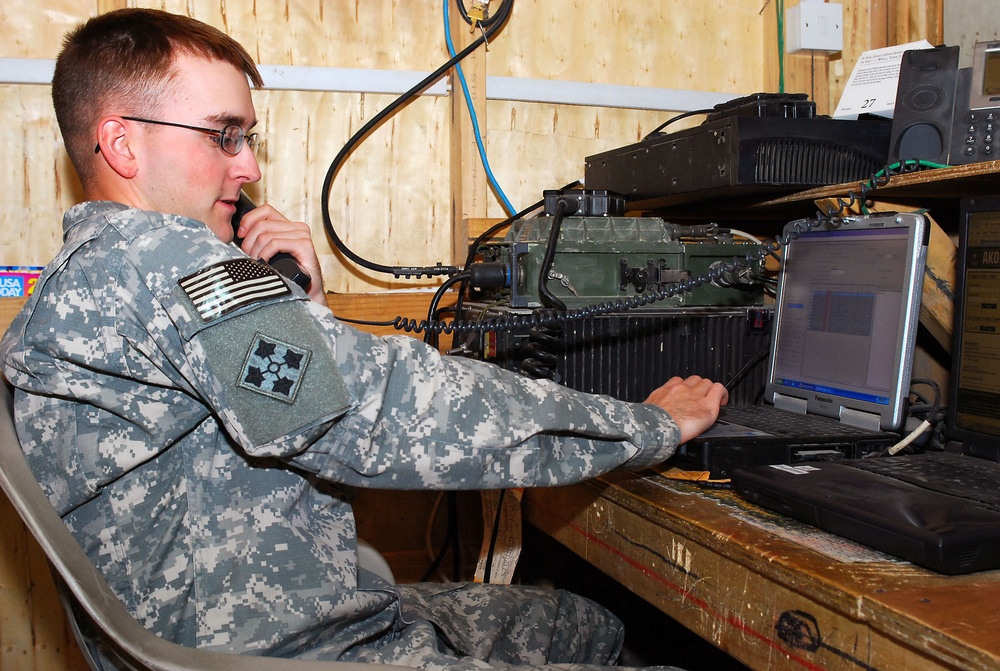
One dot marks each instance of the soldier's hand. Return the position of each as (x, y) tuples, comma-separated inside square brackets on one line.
[(265, 232), (692, 402)]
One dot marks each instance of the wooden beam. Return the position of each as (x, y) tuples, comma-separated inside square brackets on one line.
[(375, 307), (469, 190)]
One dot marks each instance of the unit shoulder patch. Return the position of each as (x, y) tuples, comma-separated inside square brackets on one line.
[(273, 368)]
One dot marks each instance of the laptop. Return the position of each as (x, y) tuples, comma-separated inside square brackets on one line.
[(845, 322), (939, 510)]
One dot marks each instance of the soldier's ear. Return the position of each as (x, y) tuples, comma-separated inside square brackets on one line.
[(115, 144)]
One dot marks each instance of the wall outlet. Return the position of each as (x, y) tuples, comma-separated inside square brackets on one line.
[(814, 25)]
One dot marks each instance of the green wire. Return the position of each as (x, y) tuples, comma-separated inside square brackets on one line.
[(780, 8), (895, 167)]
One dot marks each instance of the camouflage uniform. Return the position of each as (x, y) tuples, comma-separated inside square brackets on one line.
[(199, 425)]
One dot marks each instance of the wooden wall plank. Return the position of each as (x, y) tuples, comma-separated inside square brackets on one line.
[(390, 201), (470, 190), (34, 635)]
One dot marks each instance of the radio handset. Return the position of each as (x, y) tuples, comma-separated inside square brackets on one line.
[(282, 262)]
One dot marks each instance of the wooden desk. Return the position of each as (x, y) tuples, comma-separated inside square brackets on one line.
[(732, 573)]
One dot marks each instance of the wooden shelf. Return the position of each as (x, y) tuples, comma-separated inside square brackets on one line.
[(937, 189)]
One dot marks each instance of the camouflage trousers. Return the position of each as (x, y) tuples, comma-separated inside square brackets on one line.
[(463, 626)]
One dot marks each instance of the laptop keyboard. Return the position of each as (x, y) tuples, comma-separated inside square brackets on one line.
[(783, 422), (961, 476)]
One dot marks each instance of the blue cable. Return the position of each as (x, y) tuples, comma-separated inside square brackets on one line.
[(472, 115)]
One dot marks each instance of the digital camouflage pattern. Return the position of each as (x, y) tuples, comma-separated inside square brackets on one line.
[(200, 427)]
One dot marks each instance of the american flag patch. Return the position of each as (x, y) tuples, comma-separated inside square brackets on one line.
[(227, 286)]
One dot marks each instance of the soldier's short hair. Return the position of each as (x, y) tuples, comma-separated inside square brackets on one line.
[(120, 63)]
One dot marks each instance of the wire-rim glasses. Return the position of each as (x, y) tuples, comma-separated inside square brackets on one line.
[(230, 138)]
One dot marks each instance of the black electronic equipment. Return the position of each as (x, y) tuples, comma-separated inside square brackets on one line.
[(283, 262), (922, 119), (839, 370), (977, 107), (943, 113), (974, 403), (756, 144), (783, 105), (937, 509), (628, 355)]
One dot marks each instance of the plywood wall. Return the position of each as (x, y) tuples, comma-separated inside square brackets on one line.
[(392, 199)]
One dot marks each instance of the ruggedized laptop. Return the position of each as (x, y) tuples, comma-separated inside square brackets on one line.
[(938, 510), (845, 321)]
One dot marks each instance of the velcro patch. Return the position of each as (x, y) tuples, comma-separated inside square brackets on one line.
[(229, 285), (274, 368)]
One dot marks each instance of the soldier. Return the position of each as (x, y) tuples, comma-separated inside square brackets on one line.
[(198, 422)]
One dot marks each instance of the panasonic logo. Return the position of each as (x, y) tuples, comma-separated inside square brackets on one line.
[(824, 399)]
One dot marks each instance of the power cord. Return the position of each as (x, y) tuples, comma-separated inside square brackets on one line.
[(684, 115), (933, 412)]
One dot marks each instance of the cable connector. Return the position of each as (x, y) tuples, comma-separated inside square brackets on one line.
[(489, 275), (410, 272), (588, 202)]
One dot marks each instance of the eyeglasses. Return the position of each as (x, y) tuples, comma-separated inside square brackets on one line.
[(230, 138)]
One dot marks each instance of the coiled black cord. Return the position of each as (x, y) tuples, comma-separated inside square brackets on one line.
[(541, 349), (534, 320)]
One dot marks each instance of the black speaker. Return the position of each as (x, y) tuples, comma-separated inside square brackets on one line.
[(925, 103)]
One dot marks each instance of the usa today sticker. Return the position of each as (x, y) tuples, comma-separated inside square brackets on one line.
[(18, 281)]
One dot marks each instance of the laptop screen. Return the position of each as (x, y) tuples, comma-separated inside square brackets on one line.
[(848, 303), (974, 406)]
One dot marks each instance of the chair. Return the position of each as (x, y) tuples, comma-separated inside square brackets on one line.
[(103, 627)]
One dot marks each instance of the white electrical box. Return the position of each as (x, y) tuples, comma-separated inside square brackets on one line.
[(814, 25)]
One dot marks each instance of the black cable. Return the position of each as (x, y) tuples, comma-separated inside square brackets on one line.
[(450, 540), (494, 229), (671, 120), (375, 122), (429, 337), (747, 367), (364, 322), (935, 405), (545, 294), (456, 556)]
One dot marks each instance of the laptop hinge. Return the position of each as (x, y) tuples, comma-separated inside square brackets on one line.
[(790, 403), (862, 420)]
